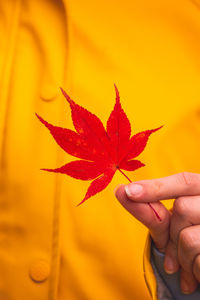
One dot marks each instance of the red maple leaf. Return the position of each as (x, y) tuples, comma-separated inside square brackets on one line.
[(102, 151)]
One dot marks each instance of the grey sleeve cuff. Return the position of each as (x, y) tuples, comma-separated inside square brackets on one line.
[(168, 287)]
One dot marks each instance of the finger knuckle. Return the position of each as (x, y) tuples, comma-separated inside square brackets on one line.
[(185, 178), (180, 206), (188, 179), (188, 239), (157, 188)]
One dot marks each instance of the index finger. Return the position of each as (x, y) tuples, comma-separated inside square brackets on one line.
[(181, 184)]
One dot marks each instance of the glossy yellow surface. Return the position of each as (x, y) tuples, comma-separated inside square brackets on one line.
[(150, 49)]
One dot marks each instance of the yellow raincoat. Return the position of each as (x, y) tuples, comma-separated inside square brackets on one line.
[(49, 248)]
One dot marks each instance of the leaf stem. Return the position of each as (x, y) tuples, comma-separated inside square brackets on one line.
[(124, 174), (155, 212)]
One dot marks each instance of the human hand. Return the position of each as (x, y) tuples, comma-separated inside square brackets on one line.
[(178, 233)]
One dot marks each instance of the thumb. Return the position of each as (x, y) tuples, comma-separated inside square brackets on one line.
[(159, 230)]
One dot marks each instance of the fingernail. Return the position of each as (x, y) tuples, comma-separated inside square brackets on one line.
[(169, 265), (185, 287), (133, 190)]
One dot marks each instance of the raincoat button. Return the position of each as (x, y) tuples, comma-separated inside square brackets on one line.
[(39, 271), (49, 92)]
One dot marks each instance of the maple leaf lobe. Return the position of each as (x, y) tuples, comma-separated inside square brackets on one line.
[(80, 169), (118, 128), (70, 141)]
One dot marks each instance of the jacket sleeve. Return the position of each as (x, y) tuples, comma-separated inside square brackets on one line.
[(160, 284)]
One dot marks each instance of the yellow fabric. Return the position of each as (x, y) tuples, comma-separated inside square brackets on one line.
[(150, 49)]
